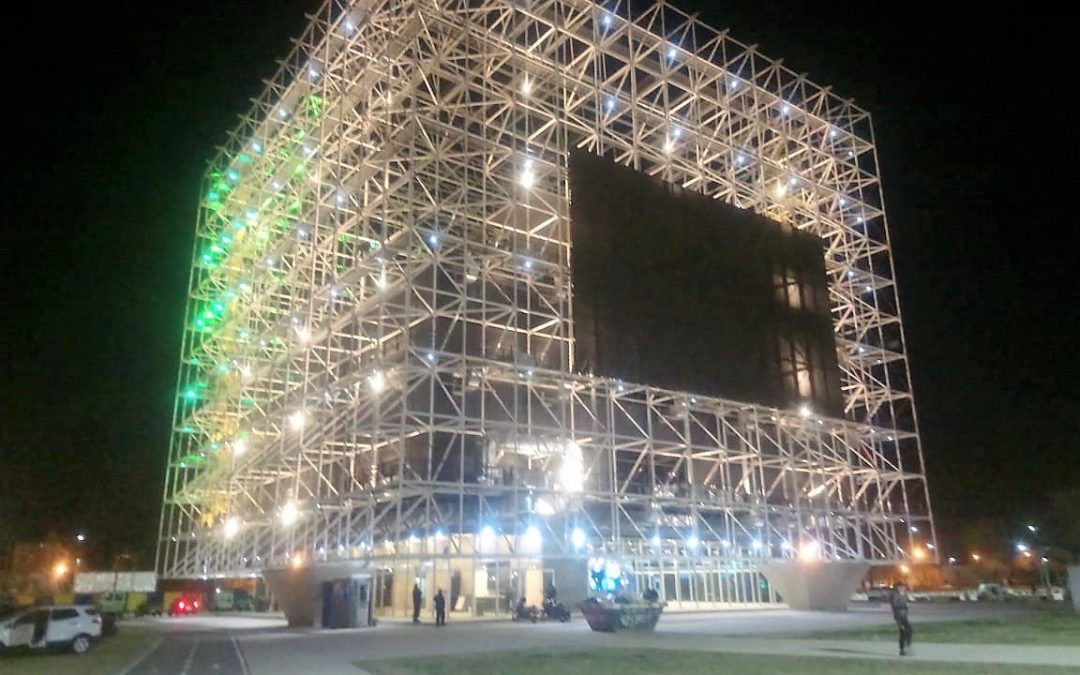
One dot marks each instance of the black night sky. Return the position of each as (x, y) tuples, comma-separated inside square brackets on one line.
[(117, 106)]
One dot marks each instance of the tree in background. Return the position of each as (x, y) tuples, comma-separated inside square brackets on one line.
[(1061, 524)]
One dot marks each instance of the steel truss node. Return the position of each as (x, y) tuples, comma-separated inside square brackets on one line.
[(378, 360)]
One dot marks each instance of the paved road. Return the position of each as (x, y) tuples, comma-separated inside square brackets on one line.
[(193, 654)]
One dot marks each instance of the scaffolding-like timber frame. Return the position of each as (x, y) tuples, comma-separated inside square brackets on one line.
[(381, 294)]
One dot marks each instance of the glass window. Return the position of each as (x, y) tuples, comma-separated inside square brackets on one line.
[(60, 614), (32, 617)]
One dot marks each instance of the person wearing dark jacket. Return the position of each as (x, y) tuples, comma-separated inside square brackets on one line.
[(898, 601), (440, 609), (417, 600)]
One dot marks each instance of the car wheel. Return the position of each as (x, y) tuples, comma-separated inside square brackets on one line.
[(81, 644)]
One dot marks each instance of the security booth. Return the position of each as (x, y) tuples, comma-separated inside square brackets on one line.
[(346, 602)]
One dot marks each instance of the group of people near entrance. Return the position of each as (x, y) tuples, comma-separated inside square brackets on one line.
[(418, 601)]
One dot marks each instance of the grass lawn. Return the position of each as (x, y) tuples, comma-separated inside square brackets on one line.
[(669, 662), (1045, 627), (108, 657)]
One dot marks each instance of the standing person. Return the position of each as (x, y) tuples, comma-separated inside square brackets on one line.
[(898, 600), (417, 600), (440, 609), (650, 595)]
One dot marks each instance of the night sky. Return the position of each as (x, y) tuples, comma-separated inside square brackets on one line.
[(118, 106)]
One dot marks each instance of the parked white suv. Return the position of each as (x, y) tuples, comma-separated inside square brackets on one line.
[(74, 626)]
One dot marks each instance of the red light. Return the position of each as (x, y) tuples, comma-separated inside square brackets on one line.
[(196, 604)]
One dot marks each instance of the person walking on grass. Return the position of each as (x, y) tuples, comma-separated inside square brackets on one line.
[(440, 609), (898, 601)]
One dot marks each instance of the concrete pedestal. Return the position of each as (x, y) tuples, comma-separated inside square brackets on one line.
[(299, 590), (1074, 585), (817, 585)]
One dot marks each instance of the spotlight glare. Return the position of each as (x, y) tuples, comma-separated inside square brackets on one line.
[(377, 381), (231, 527), (297, 420), (577, 538), (290, 513)]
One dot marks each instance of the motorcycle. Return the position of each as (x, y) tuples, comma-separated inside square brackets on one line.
[(523, 612), (555, 611)]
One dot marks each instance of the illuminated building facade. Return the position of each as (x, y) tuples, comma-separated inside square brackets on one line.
[(379, 359)]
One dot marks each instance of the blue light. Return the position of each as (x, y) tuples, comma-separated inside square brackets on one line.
[(431, 357), (606, 20), (433, 239), (609, 104), (672, 53)]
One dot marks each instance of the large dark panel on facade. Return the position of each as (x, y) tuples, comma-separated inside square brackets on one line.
[(679, 290)]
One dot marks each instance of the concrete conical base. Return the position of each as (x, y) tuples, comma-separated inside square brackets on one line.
[(296, 594), (818, 585)]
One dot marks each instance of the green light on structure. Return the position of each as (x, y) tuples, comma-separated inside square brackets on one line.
[(191, 394)]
